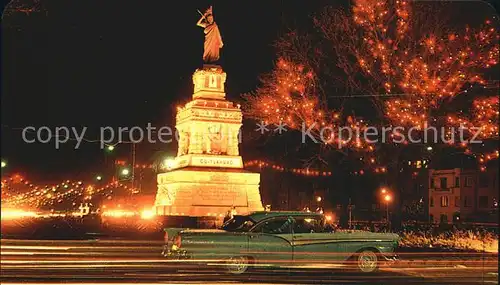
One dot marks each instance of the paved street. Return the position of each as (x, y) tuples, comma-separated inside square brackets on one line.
[(109, 261)]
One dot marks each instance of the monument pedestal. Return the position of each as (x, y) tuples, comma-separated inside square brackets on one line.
[(198, 192)]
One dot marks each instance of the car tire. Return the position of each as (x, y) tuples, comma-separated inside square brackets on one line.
[(237, 265), (367, 261)]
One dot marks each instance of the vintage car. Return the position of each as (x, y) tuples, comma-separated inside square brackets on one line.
[(280, 239)]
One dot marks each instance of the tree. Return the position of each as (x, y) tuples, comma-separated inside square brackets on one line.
[(400, 58)]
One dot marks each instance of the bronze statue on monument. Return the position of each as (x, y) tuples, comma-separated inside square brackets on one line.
[(213, 39)]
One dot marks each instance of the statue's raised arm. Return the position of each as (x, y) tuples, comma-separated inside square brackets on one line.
[(213, 39)]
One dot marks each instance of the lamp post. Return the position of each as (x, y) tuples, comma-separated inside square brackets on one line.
[(319, 209), (387, 199), (111, 149), (124, 174), (4, 163), (349, 207), (133, 166)]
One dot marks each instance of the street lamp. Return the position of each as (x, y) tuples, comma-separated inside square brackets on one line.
[(429, 148), (110, 148), (318, 199), (125, 172), (4, 163), (387, 199), (98, 177), (168, 163), (383, 191)]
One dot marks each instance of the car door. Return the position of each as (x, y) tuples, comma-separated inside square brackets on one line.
[(270, 242), (312, 244)]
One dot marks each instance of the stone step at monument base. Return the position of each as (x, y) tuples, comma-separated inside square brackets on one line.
[(190, 222)]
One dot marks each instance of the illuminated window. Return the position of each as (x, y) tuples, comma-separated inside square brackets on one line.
[(457, 181), (444, 201)]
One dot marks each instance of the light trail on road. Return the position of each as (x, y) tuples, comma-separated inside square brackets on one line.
[(140, 262)]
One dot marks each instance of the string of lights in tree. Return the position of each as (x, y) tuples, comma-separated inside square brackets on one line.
[(312, 172), (431, 70), (295, 109), (484, 158), (288, 97), (418, 74), (485, 115)]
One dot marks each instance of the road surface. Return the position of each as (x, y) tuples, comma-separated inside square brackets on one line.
[(119, 261)]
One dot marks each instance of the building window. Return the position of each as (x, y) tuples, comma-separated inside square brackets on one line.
[(431, 202), (483, 181), (443, 183), (457, 201), (457, 181), (432, 183), (468, 181), (483, 201), (444, 201), (466, 201)]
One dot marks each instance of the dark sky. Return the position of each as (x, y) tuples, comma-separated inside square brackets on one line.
[(98, 63), (115, 63)]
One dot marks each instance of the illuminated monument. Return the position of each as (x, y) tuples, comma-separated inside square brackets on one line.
[(207, 176)]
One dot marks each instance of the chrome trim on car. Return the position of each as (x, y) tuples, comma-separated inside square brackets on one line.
[(308, 242)]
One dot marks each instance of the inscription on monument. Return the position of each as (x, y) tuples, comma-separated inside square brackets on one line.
[(221, 196), (216, 161)]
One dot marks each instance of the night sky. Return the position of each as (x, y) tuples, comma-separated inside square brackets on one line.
[(115, 63)]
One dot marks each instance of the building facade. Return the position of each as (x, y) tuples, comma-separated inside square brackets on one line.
[(457, 195)]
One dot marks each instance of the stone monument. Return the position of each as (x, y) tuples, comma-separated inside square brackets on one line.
[(207, 176)]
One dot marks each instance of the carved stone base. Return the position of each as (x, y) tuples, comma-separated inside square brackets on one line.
[(199, 192)]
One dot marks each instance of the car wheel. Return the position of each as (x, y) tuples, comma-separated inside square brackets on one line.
[(237, 265), (367, 261)]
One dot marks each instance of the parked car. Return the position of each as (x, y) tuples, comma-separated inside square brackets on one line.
[(280, 239)]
